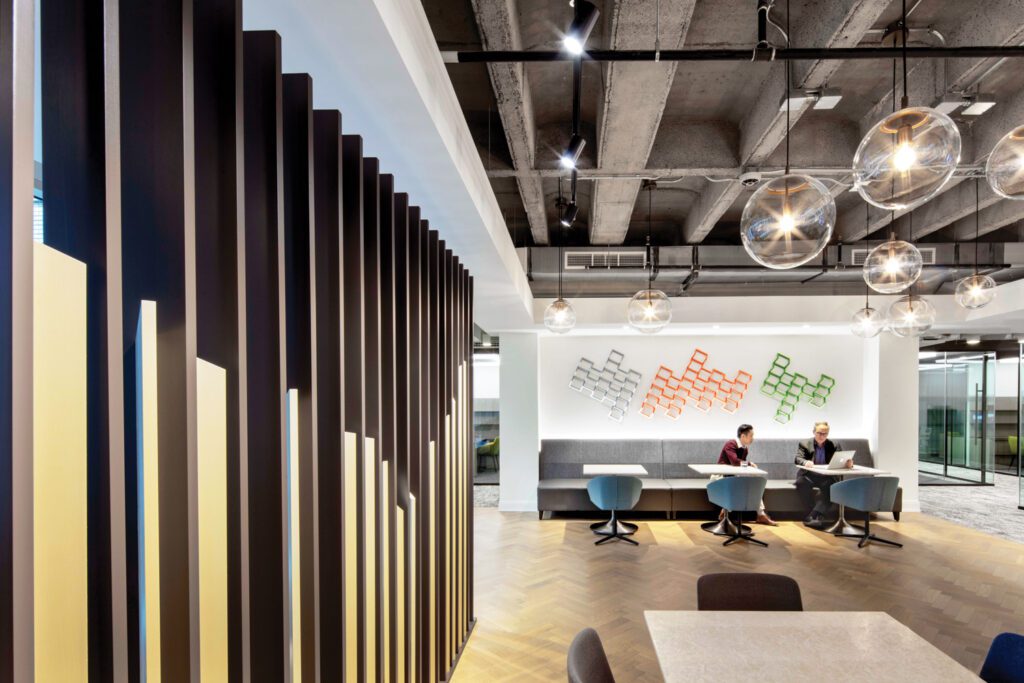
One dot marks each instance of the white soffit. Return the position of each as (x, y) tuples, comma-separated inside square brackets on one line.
[(377, 61)]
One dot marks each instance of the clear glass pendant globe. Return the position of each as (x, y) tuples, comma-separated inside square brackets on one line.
[(787, 221), (649, 311), (867, 322), (559, 316), (910, 316), (1005, 168), (892, 266), (906, 158), (975, 291)]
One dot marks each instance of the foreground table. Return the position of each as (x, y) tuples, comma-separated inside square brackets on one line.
[(795, 646), (841, 526), (725, 526)]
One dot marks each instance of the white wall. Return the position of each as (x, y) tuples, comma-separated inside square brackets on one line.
[(486, 371), (520, 438), (1006, 378), (565, 413)]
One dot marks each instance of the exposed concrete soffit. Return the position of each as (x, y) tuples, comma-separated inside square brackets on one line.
[(498, 21), (632, 107), (836, 24)]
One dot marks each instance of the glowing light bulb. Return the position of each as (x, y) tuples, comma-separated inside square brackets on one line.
[(904, 158), (892, 265), (560, 316), (786, 223), (572, 45), (649, 311)]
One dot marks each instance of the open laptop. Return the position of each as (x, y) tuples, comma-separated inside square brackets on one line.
[(840, 458)]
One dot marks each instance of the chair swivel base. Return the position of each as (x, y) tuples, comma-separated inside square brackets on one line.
[(723, 527), (864, 534), (613, 529), (739, 534)]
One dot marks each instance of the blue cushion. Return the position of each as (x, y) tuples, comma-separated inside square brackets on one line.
[(868, 494), (614, 493), (1005, 660), (737, 494)]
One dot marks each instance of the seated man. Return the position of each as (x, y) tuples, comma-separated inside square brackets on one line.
[(734, 453), (816, 451)]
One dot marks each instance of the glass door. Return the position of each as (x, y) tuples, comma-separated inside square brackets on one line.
[(957, 417)]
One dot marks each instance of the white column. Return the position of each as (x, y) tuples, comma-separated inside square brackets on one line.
[(519, 422), (891, 409)]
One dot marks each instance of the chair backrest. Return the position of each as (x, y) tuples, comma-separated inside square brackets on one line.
[(587, 660), (614, 492), (748, 592), (737, 494), (1005, 660), (868, 494), (1011, 441)]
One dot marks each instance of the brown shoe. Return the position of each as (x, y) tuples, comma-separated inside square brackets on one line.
[(766, 520)]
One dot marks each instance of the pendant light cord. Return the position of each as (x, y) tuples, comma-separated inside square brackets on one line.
[(650, 249), (789, 100), (867, 236), (977, 223), (904, 31)]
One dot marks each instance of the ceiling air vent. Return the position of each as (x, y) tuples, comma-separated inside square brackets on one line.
[(927, 255), (582, 260)]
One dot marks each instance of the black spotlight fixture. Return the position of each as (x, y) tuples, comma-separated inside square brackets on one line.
[(573, 152), (584, 21), (569, 217)]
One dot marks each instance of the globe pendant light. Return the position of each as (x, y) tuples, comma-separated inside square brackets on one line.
[(867, 322), (977, 290), (788, 220), (559, 316), (649, 311), (907, 157), (910, 316), (892, 266), (1005, 167)]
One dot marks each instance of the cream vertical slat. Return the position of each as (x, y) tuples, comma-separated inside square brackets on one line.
[(400, 593), (294, 549), (432, 563), (60, 455), (385, 572), (448, 536), (370, 557), (413, 594), (148, 491), (350, 568), (212, 445)]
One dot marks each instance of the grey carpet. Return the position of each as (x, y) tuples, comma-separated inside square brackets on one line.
[(992, 509), (485, 496)]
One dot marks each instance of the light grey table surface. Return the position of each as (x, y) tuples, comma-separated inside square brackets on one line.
[(786, 647), (728, 470), (596, 470)]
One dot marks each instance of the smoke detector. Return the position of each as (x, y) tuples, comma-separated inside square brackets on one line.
[(750, 178)]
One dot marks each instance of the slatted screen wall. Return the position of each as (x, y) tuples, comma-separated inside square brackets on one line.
[(270, 356)]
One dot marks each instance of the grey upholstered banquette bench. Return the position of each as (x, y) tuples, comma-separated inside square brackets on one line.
[(670, 485)]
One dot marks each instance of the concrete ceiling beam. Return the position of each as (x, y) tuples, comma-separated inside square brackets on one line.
[(834, 24), (632, 107), (498, 21), (999, 215)]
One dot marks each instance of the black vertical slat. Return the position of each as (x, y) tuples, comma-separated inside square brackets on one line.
[(156, 184), (265, 348), (352, 324), (220, 247), (327, 239), (74, 174), (302, 357), (405, 399)]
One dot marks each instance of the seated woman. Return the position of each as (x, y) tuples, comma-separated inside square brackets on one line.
[(734, 453)]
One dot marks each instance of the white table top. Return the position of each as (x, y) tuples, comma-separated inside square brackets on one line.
[(595, 470), (729, 470), (795, 646), (856, 470)]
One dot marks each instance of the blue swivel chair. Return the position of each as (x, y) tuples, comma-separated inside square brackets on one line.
[(614, 494), (738, 495), (1005, 660), (867, 494)]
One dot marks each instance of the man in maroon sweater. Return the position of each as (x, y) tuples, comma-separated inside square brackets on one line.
[(734, 453)]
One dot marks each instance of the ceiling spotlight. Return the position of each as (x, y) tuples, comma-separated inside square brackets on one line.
[(978, 104), (973, 341), (797, 100), (569, 217), (572, 152), (828, 98), (579, 30), (948, 103)]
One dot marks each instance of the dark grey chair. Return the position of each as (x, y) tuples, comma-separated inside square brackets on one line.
[(587, 660), (748, 592)]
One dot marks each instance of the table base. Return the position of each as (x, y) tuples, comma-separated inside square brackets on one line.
[(723, 527)]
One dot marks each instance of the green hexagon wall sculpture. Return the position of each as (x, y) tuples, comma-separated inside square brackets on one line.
[(790, 387)]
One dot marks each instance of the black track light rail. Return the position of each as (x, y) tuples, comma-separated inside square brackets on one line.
[(738, 55)]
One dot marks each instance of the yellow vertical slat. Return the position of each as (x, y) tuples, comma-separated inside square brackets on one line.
[(448, 538), (385, 572), (212, 445), (294, 550), (400, 593), (432, 563), (149, 491), (370, 556), (413, 593), (350, 570), (59, 462)]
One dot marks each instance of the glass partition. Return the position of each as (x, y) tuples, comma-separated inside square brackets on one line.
[(957, 433)]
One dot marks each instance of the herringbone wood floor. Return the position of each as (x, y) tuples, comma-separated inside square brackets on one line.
[(538, 583)]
